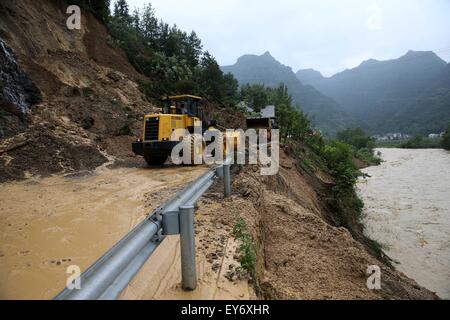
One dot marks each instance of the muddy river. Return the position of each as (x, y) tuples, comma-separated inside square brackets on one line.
[(49, 224), (407, 210)]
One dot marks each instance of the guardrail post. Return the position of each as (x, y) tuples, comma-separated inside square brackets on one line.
[(187, 244), (219, 171), (227, 180)]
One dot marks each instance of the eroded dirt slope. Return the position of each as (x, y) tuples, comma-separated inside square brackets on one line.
[(90, 107), (301, 256)]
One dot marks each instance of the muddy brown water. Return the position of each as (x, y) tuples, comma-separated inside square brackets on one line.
[(407, 210), (49, 224)]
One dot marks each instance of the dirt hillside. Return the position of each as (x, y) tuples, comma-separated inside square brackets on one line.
[(88, 106), (299, 254)]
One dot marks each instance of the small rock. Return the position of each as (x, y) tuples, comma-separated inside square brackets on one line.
[(216, 267), (114, 76)]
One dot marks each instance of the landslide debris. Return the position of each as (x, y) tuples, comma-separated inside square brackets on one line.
[(77, 103)]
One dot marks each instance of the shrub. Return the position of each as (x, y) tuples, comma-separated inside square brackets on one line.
[(247, 248), (445, 143), (356, 137), (419, 142)]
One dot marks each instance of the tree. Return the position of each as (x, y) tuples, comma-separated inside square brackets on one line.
[(149, 25), (256, 96), (294, 124), (356, 137), (446, 139), (171, 58), (211, 77), (135, 20), (230, 90), (121, 9), (193, 49), (100, 8)]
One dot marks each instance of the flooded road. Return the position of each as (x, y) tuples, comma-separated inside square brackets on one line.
[(407, 210), (48, 224)]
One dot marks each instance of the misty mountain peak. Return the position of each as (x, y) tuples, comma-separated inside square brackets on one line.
[(422, 55), (268, 57), (267, 54), (417, 53), (369, 62), (253, 58), (309, 76)]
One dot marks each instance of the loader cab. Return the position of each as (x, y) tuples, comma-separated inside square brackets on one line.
[(182, 105)]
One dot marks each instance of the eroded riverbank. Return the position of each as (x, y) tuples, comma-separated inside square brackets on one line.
[(408, 211)]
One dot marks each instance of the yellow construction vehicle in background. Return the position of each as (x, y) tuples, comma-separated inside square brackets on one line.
[(264, 120), (178, 112)]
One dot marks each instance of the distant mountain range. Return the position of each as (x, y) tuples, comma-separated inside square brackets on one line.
[(324, 112), (410, 94)]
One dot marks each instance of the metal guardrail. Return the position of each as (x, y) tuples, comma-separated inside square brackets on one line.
[(111, 274)]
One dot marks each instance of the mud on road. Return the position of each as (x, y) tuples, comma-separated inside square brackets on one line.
[(47, 224)]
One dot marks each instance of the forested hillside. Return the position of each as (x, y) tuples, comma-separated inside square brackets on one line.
[(324, 112), (409, 94), (430, 112), (172, 60)]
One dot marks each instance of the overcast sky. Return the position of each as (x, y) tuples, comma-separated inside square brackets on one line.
[(326, 35)]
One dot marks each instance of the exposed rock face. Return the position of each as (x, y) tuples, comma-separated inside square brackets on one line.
[(17, 93)]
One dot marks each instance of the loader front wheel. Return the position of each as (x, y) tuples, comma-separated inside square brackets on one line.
[(197, 145), (155, 160)]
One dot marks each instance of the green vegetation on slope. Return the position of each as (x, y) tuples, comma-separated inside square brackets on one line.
[(172, 59), (247, 248), (419, 142), (362, 145), (100, 8), (446, 139)]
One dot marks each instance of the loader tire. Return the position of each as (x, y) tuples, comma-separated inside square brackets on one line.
[(196, 149), (155, 160), (221, 137)]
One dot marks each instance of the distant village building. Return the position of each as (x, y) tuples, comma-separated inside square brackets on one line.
[(391, 136), (267, 112)]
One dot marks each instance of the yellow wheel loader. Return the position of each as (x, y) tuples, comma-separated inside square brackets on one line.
[(178, 112)]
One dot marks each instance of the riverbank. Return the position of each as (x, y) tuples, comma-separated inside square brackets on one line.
[(407, 210)]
